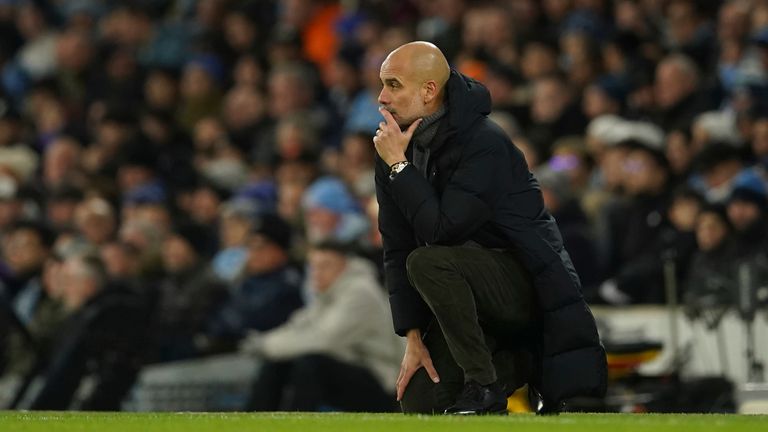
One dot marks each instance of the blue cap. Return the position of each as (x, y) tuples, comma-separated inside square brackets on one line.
[(332, 194), (210, 64), (151, 193), (263, 193)]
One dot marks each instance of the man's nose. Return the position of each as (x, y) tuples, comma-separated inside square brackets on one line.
[(383, 97)]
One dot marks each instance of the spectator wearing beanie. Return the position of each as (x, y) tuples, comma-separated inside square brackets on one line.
[(747, 206), (606, 95), (269, 292), (711, 276), (332, 213), (188, 292)]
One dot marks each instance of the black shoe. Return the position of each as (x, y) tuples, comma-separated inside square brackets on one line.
[(542, 406), (550, 408), (480, 399)]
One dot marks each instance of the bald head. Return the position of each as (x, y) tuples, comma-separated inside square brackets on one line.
[(414, 76), (424, 60)]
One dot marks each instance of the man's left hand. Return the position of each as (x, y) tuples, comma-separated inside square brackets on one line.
[(390, 141)]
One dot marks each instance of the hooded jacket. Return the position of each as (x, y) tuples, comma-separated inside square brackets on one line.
[(349, 322), (479, 189)]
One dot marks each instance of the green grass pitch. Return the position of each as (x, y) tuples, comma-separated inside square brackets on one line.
[(313, 422)]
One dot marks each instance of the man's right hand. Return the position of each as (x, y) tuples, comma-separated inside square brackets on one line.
[(416, 356)]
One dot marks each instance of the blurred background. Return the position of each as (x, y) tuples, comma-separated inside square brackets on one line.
[(187, 201)]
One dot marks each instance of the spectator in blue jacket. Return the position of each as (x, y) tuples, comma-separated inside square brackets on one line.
[(269, 292)]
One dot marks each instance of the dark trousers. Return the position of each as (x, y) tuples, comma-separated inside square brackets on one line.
[(483, 305), (318, 383)]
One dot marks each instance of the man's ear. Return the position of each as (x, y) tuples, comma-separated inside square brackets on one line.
[(429, 91)]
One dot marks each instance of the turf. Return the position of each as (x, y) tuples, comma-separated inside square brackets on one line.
[(289, 422)]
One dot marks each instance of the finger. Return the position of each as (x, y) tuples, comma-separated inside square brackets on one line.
[(388, 117), (382, 124), (397, 386), (412, 128), (404, 383), (431, 371)]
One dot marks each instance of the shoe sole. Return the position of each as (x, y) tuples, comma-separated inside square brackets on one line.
[(469, 413)]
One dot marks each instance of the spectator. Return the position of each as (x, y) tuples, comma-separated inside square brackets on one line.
[(606, 95), (11, 201), (635, 240), (710, 283), (121, 264), (60, 162), (679, 154), (356, 164), (161, 90), (332, 213), (577, 235), (746, 208), (269, 292), (25, 248), (200, 89), (553, 113), (188, 293), (60, 207), (101, 341), (719, 165), (237, 217), (677, 101), (336, 353), (96, 221), (29, 347)]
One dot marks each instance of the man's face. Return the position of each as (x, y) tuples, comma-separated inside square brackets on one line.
[(641, 172), (263, 255), (550, 98), (24, 251), (178, 255), (743, 214), (672, 85), (402, 93), (320, 223), (324, 268), (710, 231)]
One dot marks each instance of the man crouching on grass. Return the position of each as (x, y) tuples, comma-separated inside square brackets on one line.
[(479, 282)]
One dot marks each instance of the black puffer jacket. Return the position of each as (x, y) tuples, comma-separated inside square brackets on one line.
[(479, 188)]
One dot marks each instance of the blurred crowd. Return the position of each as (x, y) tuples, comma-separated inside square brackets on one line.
[(169, 168)]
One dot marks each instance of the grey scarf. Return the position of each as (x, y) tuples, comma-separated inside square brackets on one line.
[(422, 138)]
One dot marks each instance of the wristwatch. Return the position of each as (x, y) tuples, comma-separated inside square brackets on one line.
[(396, 167)]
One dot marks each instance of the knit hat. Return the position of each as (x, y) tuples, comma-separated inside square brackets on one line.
[(331, 194), (714, 154), (196, 236), (274, 228), (750, 188), (612, 87)]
